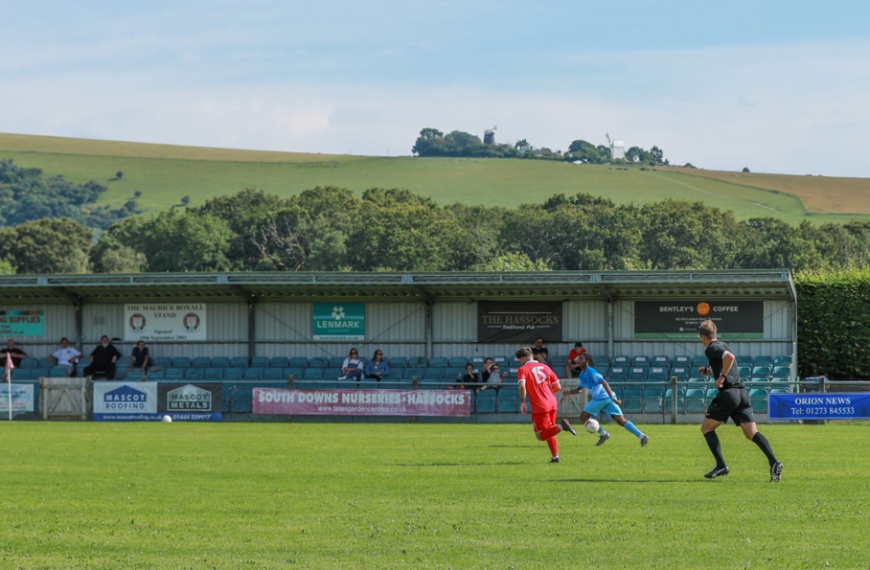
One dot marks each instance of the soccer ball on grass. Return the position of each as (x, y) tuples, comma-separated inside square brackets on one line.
[(591, 425)]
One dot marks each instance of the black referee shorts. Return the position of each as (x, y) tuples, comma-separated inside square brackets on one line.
[(731, 403)]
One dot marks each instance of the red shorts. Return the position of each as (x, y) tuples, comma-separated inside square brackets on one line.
[(543, 420)]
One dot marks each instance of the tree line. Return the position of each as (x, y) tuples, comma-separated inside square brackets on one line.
[(331, 229), (433, 142)]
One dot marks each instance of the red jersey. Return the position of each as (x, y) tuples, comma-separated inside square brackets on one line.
[(539, 379), (572, 356)]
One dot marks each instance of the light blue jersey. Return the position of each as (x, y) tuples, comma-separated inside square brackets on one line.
[(591, 379)]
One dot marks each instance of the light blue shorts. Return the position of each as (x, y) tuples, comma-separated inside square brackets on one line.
[(607, 406)]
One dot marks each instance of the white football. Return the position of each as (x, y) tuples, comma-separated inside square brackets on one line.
[(166, 419), (592, 425)]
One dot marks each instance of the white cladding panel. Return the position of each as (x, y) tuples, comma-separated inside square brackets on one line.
[(583, 321), (454, 321)]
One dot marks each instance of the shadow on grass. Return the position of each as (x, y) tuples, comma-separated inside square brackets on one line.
[(681, 481), (477, 464)]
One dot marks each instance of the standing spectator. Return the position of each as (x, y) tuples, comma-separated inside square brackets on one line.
[(103, 359), (352, 367), (731, 402), (14, 352), (139, 358), (571, 367), (66, 356), (377, 368), (540, 352), (540, 383)]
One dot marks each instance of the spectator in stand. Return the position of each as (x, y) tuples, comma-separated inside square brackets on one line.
[(494, 379), (540, 352), (469, 379), (571, 367), (14, 352), (139, 358), (377, 368), (486, 369), (66, 356), (103, 359), (352, 367)]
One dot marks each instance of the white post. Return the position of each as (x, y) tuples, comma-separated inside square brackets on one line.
[(9, 368)]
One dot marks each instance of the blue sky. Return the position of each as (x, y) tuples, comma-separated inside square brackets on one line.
[(774, 86)]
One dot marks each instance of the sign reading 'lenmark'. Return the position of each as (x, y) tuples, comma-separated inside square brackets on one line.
[(339, 321)]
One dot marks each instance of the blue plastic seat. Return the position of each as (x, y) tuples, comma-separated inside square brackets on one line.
[(181, 362), (399, 362), (174, 373), (695, 401), (220, 362), (234, 373), (439, 362), (27, 362), (621, 361), (457, 362), (335, 361), (239, 362), (213, 373), (162, 361), (274, 374), (298, 362), (260, 362), (297, 373), (508, 401), (201, 362), (281, 362), (318, 362), (314, 374), (254, 373), (486, 402)]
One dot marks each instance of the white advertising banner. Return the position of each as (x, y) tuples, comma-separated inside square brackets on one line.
[(165, 322), (23, 399), (125, 401)]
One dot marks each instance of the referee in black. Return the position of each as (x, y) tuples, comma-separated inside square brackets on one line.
[(731, 402)]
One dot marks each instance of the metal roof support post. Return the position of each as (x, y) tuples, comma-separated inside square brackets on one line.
[(792, 305), (429, 332), (252, 327), (610, 327)]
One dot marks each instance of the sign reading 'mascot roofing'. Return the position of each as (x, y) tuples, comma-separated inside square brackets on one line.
[(165, 321)]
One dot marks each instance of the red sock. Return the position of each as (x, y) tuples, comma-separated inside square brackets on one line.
[(553, 445), (549, 432)]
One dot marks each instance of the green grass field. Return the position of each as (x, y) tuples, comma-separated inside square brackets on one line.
[(164, 174), (341, 495)]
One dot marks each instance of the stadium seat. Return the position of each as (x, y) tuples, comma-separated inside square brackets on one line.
[(201, 362), (220, 362), (697, 379), (669, 400), (641, 361), (781, 371), (652, 400), (297, 373), (254, 373), (239, 362), (29, 362), (638, 374), (274, 374), (435, 372), (782, 361), (162, 361), (418, 361), (281, 362), (761, 373), (315, 374), (122, 372), (414, 373), (242, 399), (260, 362), (213, 373), (657, 374), (486, 402), (682, 361), (154, 375), (457, 362), (453, 373), (181, 362), (398, 362), (620, 361), (44, 363), (744, 360), (763, 361), (439, 362), (695, 401), (681, 372), (319, 362), (663, 361), (234, 373), (712, 393), (632, 400), (20, 374), (502, 361), (744, 371), (618, 373), (195, 373), (331, 373), (335, 361), (298, 362), (758, 399), (699, 360), (174, 373), (508, 400), (57, 372)]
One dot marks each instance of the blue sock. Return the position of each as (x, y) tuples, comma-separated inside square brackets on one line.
[(601, 430), (631, 427)]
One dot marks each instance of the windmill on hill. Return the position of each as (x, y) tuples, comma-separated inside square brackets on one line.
[(489, 135), (617, 148)]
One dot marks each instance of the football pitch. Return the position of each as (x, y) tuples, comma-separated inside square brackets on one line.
[(418, 495)]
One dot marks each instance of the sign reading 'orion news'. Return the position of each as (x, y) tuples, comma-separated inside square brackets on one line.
[(819, 406), (680, 319), (339, 321)]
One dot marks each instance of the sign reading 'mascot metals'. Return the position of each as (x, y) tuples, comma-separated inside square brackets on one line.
[(339, 321)]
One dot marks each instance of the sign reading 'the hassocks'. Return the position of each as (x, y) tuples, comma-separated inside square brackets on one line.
[(499, 321), (680, 319)]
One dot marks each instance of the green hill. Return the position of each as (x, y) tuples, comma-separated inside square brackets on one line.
[(164, 174)]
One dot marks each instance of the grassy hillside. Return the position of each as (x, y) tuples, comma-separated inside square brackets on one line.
[(165, 173)]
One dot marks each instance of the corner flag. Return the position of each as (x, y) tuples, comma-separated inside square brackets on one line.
[(9, 367)]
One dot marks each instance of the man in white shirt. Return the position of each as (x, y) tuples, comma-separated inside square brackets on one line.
[(66, 356)]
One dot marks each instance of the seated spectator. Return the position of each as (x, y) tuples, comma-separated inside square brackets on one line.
[(103, 359), (495, 378), (540, 352), (352, 367), (139, 358), (486, 369), (15, 353), (571, 367), (377, 368), (66, 356), (469, 379)]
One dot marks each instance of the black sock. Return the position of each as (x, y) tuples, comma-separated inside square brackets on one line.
[(715, 448), (762, 443)]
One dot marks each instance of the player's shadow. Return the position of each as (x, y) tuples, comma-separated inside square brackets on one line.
[(476, 464), (681, 481)]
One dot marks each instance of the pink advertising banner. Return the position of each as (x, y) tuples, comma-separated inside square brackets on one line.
[(454, 403)]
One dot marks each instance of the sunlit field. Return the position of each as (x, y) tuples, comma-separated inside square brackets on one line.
[(405, 495)]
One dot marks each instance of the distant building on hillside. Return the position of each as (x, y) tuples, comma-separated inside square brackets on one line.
[(489, 135)]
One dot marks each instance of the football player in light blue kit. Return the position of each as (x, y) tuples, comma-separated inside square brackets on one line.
[(603, 400)]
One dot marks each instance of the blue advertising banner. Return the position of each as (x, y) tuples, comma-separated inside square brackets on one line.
[(819, 406)]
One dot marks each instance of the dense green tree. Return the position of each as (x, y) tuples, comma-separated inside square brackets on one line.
[(49, 245)]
